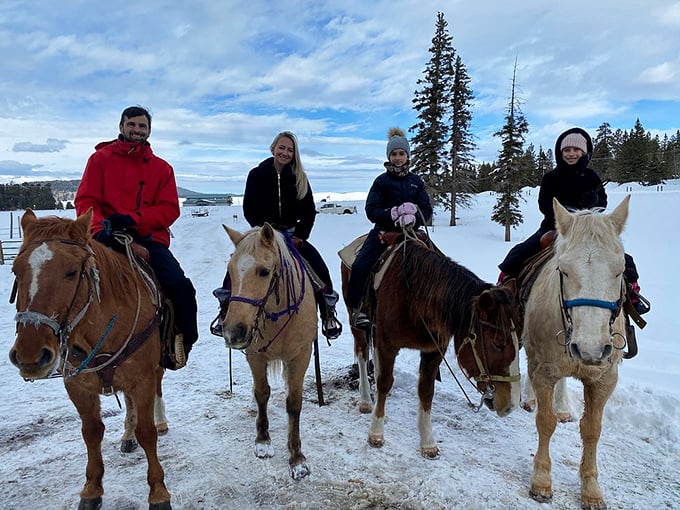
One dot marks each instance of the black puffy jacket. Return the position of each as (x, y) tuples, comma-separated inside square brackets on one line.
[(389, 190)]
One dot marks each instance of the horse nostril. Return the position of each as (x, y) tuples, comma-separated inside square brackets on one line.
[(13, 357), (46, 357), (607, 351)]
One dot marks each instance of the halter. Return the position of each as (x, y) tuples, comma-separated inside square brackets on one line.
[(63, 329), (292, 302), (567, 304)]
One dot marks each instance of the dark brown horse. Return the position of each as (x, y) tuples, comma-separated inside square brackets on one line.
[(423, 300), (84, 313), (272, 318)]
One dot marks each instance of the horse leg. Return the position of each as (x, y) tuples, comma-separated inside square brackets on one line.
[(128, 443), (541, 484), (297, 463), (159, 417), (529, 397), (561, 402), (143, 395), (384, 371), (361, 354), (429, 365), (595, 396), (261, 391), (92, 429)]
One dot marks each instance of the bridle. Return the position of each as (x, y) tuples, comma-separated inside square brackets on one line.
[(63, 329), (568, 325), (293, 302)]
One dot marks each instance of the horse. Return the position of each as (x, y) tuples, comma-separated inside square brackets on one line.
[(85, 313), (573, 326), (272, 319), (424, 299)]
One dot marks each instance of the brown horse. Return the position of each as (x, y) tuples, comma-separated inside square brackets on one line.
[(272, 319), (424, 298), (573, 326), (85, 314)]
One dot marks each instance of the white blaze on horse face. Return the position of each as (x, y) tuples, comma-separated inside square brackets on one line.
[(245, 262), (37, 260)]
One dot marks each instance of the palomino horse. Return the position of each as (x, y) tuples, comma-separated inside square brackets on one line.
[(84, 313), (424, 298), (272, 319), (573, 326)]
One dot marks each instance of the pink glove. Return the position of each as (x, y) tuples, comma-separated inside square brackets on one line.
[(407, 208), (394, 212), (406, 220)]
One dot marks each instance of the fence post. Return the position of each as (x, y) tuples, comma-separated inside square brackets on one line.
[(2, 255)]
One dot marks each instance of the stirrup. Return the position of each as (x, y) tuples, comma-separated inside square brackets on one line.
[(216, 324), (361, 320), (180, 355), (331, 327)]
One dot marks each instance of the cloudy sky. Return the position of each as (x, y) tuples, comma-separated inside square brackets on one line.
[(221, 78)]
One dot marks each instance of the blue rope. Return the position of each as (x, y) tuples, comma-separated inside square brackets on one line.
[(89, 357), (598, 303)]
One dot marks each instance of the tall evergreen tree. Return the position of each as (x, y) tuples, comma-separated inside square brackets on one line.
[(443, 142), (603, 153), (432, 101), (506, 211)]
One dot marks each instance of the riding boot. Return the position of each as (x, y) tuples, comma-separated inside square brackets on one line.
[(222, 296), (330, 325)]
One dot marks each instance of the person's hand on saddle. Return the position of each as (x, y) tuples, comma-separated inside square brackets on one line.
[(118, 223), (297, 242)]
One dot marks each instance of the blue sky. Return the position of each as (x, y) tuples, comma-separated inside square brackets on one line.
[(222, 78)]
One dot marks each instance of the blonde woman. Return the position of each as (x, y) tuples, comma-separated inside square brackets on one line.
[(278, 192)]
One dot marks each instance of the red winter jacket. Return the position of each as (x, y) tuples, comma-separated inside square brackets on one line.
[(128, 178)]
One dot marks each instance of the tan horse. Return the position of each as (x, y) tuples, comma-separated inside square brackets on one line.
[(573, 326), (84, 313), (272, 319), (423, 300)]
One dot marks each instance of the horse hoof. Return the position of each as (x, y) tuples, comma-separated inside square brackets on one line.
[(128, 445), (593, 504), (165, 505), (376, 441), (541, 497), (365, 407), (162, 429), (264, 450), (90, 504), (564, 417), (430, 453), (529, 406), (300, 471)]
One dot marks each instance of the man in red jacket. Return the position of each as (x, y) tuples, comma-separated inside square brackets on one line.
[(132, 190)]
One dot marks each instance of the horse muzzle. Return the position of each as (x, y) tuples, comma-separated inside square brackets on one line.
[(238, 336), (39, 364)]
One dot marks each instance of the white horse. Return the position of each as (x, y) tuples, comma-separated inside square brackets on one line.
[(574, 326)]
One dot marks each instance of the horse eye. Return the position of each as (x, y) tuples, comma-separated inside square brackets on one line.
[(264, 272), (71, 275)]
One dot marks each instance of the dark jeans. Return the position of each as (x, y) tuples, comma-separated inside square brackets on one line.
[(361, 268), (174, 283), (520, 253)]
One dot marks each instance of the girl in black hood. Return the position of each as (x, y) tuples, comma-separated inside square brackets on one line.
[(575, 186)]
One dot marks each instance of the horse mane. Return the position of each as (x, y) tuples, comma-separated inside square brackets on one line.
[(250, 243), (441, 291), (590, 225)]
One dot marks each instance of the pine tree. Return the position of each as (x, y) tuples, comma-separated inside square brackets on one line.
[(443, 143), (603, 153), (508, 175)]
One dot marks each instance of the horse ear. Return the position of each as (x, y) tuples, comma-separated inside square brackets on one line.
[(27, 220), (268, 234), (81, 226), (619, 215), (234, 235), (563, 218), (485, 304)]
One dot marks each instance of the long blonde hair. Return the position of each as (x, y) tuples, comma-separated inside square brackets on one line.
[(301, 183)]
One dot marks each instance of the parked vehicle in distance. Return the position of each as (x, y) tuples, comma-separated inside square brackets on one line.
[(336, 208)]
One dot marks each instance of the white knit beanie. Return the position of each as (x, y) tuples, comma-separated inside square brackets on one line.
[(574, 140), (397, 140)]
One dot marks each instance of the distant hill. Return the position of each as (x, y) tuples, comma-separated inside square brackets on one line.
[(65, 190)]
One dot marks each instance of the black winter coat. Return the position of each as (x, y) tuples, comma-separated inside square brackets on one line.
[(574, 186), (273, 199), (389, 190)]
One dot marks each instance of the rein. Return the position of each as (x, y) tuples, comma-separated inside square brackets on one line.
[(293, 302), (567, 304)]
